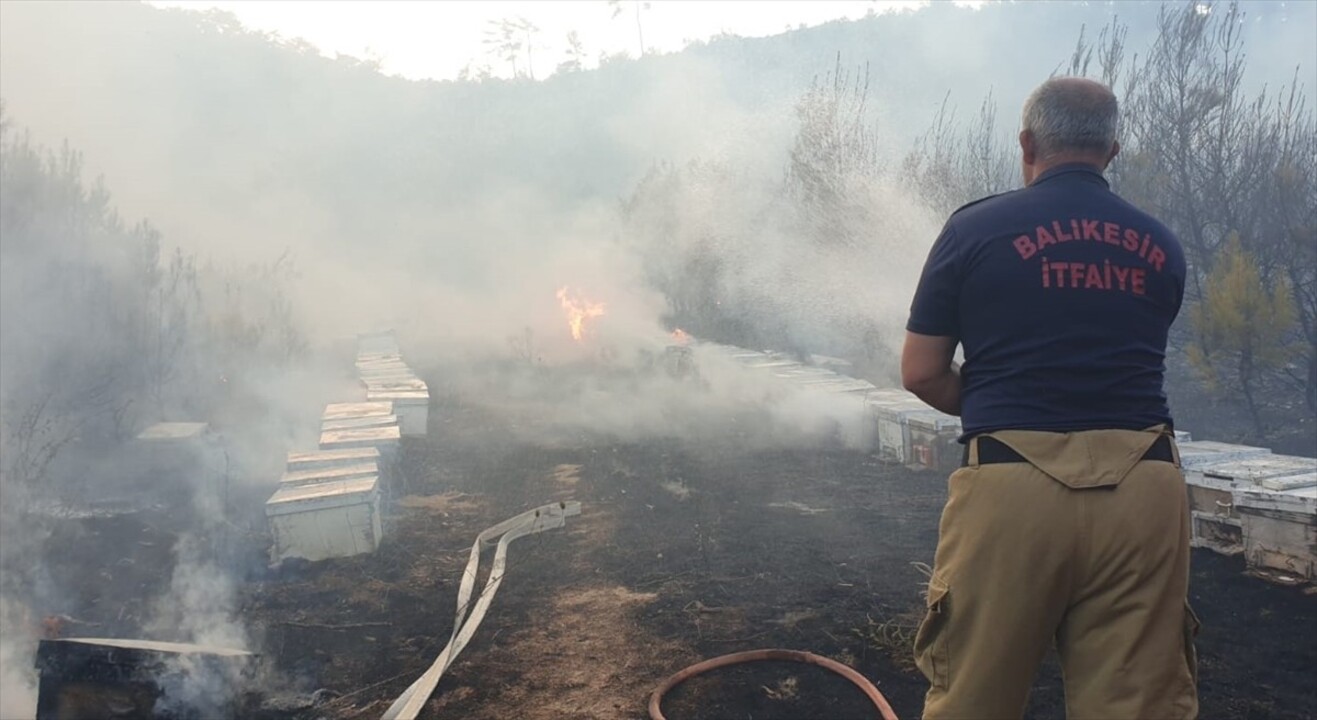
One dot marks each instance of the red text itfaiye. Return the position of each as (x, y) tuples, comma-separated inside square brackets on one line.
[(1094, 276)]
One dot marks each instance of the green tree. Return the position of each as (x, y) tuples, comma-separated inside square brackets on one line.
[(1242, 327)]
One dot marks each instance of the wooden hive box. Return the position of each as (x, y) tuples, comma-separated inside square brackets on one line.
[(1214, 523), (894, 443), (408, 384), (384, 439), (319, 459), (386, 375), (934, 441), (805, 374), (1279, 521), (117, 678), (338, 518), (1214, 489), (1280, 530), (846, 385), (382, 363), (330, 474), (411, 406), (1199, 453), (360, 422), (343, 411)]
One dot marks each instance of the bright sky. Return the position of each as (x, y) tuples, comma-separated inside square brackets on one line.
[(437, 39)]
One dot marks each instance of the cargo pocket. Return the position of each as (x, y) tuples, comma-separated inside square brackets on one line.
[(931, 639), (1191, 627)]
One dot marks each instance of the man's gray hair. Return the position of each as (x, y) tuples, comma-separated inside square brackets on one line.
[(1067, 114)]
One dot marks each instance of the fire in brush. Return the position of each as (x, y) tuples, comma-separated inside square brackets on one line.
[(578, 310)]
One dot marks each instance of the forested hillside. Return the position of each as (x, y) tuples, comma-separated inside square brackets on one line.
[(774, 191)]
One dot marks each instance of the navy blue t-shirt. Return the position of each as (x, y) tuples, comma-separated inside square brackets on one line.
[(1062, 295)]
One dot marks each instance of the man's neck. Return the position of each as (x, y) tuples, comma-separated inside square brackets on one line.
[(1056, 161)]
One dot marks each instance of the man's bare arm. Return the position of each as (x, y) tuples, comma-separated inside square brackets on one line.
[(928, 371)]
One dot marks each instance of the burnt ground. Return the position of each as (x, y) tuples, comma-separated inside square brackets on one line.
[(684, 551)]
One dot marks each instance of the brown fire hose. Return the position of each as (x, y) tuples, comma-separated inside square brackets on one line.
[(857, 679)]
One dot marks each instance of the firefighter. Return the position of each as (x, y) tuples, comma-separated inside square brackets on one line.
[(1068, 522)]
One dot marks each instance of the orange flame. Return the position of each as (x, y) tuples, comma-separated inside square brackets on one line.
[(578, 310), (681, 336)]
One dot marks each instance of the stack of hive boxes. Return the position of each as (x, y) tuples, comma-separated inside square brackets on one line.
[(386, 378), (1248, 500), (329, 502), (906, 429)]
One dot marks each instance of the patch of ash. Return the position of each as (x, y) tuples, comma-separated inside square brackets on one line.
[(799, 507)]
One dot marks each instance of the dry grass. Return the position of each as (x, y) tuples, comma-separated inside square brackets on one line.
[(894, 637)]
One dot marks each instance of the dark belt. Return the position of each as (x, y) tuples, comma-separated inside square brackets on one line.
[(993, 451)]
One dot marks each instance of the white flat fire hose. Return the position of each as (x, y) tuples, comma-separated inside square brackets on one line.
[(546, 517)]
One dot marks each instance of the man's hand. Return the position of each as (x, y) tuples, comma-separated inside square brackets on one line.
[(928, 371)]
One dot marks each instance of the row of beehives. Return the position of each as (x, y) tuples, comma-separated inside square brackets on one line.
[(1249, 500), (904, 428), (1244, 499), (329, 501)]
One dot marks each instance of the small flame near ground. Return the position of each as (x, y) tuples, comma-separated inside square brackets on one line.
[(578, 310), (681, 337)]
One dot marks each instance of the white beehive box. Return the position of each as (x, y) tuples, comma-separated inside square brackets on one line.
[(1201, 453), (344, 411), (1214, 489), (847, 385), (1261, 472), (894, 429), (361, 422), (1280, 530), (387, 374), (934, 441), (804, 372), (411, 406), (384, 439), (320, 459), (395, 385), (818, 382), (382, 365), (770, 364), (325, 520), (1214, 523), (369, 358), (340, 472), (1273, 472), (893, 396), (835, 364)]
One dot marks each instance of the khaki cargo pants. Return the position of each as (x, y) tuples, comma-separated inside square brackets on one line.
[(1084, 546)]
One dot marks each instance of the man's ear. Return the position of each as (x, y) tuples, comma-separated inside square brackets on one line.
[(1028, 150), (1115, 150)]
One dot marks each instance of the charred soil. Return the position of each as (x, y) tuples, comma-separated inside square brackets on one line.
[(684, 551)]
